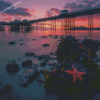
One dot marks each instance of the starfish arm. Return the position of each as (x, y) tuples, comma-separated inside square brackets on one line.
[(74, 69), (79, 77), (81, 73), (69, 71), (74, 78)]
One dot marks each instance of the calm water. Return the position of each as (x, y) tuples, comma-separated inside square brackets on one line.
[(9, 53)]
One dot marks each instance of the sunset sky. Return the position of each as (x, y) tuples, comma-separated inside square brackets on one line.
[(35, 9)]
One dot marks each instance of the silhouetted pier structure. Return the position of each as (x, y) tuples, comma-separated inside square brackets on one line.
[(67, 23), (2, 28)]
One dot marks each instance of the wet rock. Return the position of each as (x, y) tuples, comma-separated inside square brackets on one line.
[(43, 63), (24, 77), (45, 45), (45, 57), (41, 79), (40, 69), (12, 67), (67, 63), (53, 62), (69, 47), (44, 36), (51, 53), (49, 68), (27, 63), (90, 44), (12, 43), (27, 54)]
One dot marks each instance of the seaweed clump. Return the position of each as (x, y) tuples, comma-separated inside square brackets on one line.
[(71, 52)]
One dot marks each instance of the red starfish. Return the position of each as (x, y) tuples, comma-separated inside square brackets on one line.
[(54, 71), (75, 74)]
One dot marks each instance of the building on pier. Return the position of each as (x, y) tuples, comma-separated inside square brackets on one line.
[(64, 12)]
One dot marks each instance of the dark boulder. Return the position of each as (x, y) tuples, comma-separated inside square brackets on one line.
[(27, 63), (69, 47), (12, 67), (90, 44)]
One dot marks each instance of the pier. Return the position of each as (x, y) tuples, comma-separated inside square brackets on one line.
[(67, 21)]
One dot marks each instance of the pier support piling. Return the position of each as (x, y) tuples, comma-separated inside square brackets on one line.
[(90, 22)]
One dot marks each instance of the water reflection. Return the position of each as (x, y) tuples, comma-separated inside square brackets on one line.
[(77, 33)]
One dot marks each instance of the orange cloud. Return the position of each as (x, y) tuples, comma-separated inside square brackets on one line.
[(6, 17), (32, 10)]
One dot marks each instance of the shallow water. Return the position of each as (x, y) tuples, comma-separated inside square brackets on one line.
[(17, 53)]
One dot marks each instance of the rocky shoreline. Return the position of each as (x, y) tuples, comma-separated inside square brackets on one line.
[(50, 71)]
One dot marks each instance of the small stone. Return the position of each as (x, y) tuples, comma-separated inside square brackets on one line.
[(27, 63), (45, 45), (44, 36), (27, 54), (21, 44), (12, 43), (12, 67), (34, 39)]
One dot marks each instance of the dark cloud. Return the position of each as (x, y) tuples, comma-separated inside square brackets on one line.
[(49, 14), (55, 10), (11, 11), (74, 7), (52, 12), (83, 5), (4, 5), (19, 11)]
